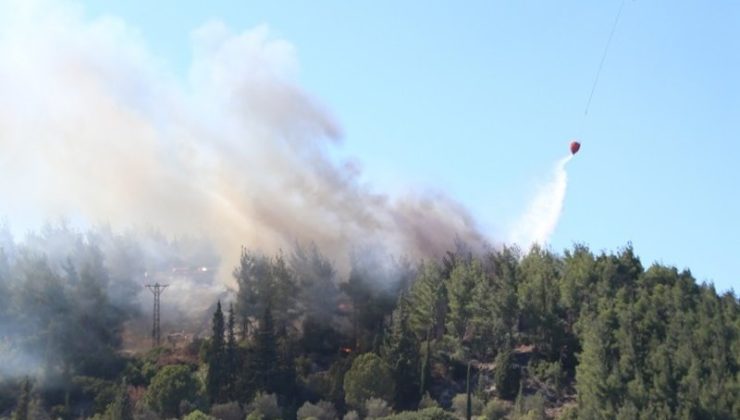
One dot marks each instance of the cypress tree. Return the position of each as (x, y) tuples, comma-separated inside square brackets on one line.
[(231, 354), (216, 367), (469, 405), (507, 375)]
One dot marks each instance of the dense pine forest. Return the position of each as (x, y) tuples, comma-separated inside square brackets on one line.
[(502, 334)]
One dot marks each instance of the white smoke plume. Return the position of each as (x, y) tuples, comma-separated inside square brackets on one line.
[(541, 217), (95, 127)]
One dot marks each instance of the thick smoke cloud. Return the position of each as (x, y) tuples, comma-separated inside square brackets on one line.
[(95, 127)]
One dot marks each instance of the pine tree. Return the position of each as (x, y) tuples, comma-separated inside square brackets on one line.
[(21, 410), (487, 327), (579, 277), (316, 281), (284, 292), (593, 371), (253, 276), (426, 370), (121, 408), (461, 285), (264, 364), (428, 302), (285, 379), (371, 305), (401, 353), (539, 302), (496, 299), (217, 373)]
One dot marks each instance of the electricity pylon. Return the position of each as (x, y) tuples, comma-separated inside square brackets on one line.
[(157, 290)]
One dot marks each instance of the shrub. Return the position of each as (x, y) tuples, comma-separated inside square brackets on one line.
[(377, 408), (530, 406), (552, 374), (265, 406), (369, 377), (432, 413), (352, 415), (427, 402), (496, 409), (198, 415), (227, 411), (323, 410), (460, 405), (171, 385)]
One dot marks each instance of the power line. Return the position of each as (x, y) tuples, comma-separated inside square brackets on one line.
[(603, 57)]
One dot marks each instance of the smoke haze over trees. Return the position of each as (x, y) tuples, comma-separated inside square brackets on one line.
[(297, 290), (66, 293), (575, 335)]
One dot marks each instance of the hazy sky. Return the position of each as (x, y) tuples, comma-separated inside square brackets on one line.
[(480, 99)]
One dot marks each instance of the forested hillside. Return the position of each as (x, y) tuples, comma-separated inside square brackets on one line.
[(504, 334)]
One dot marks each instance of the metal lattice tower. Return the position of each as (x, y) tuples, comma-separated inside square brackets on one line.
[(157, 290)]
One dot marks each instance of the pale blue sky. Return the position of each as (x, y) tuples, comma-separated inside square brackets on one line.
[(480, 99)]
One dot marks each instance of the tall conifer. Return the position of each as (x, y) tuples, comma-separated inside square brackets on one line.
[(216, 378)]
